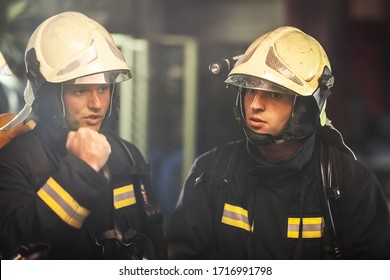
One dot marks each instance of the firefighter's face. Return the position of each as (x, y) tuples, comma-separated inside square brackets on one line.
[(86, 105), (267, 112)]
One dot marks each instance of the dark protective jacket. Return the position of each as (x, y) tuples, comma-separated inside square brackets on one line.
[(277, 211), (50, 196)]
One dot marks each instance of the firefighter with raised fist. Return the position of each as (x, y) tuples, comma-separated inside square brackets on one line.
[(71, 182)]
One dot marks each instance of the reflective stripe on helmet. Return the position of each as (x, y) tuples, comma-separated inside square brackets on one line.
[(124, 196), (63, 204), (311, 227)]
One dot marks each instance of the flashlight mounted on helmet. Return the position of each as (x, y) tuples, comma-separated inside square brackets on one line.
[(224, 65)]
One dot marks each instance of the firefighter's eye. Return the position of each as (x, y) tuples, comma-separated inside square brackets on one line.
[(275, 95), (79, 91), (251, 91), (103, 88)]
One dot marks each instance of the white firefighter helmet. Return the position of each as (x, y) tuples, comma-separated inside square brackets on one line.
[(71, 48), (287, 61)]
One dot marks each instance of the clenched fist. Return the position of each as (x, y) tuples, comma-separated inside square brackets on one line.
[(90, 146)]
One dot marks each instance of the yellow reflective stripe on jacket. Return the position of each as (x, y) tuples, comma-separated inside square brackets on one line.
[(235, 216), (311, 227), (124, 196), (63, 204)]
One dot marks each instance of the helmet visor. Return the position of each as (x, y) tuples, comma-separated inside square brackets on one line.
[(251, 82), (110, 77)]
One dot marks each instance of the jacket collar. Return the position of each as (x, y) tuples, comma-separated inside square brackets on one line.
[(273, 173)]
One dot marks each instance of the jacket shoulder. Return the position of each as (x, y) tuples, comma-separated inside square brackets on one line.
[(221, 153), (19, 147), (226, 146)]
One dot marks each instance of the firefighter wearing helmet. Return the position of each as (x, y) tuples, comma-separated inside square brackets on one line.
[(289, 62), (291, 189), (67, 182)]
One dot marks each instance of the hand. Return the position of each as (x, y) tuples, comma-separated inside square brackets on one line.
[(90, 146)]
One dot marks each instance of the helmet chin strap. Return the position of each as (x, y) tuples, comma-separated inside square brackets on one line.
[(61, 118), (262, 139), (110, 109)]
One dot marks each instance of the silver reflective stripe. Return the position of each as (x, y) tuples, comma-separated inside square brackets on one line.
[(311, 227), (235, 216), (88, 55), (63, 204), (124, 196)]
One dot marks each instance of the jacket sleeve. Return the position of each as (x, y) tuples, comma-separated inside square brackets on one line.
[(50, 213), (366, 221), (191, 235)]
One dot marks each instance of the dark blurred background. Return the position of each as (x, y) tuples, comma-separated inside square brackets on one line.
[(178, 110)]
